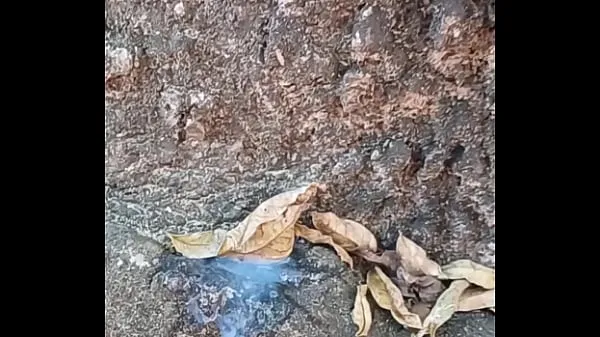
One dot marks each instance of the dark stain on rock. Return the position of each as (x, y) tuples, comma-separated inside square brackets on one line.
[(455, 155)]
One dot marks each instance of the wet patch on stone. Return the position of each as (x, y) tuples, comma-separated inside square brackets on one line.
[(242, 298)]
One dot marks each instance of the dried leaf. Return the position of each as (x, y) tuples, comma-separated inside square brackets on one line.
[(477, 298), (378, 290), (361, 314), (267, 232), (473, 272), (270, 218), (314, 236), (388, 259), (445, 306), (403, 275), (404, 287), (200, 245), (389, 297), (280, 248), (414, 258), (427, 288), (349, 234), (404, 282)]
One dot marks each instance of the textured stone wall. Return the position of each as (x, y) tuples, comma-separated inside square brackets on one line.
[(213, 106)]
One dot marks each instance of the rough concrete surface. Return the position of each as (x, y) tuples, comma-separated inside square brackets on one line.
[(213, 106)]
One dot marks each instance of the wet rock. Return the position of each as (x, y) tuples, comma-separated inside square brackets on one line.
[(312, 293), (250, 299)]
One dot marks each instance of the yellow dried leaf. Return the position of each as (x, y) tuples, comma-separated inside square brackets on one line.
[(267, 232), (473, 272), (428, 288), (445, 306), (477, 298), (414, 258), (200, 245), (378, 290), (278, 211), (314, 236), (280, 248), (361, 313), (347, 233), (389, 297), (388, 259), (270, 231)]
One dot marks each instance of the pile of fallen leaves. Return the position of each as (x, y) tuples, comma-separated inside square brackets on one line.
[(404, 281)]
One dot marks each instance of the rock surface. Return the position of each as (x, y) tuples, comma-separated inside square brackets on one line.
[(213, 106)]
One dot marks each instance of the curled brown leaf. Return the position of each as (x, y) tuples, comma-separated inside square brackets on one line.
[(279, 248), (270, 218), (414, 258), (361, 313), (427, 288), (199, 245), (405, 287), (349, 234), (388, 259), (477, 298), (389, 297), (314, 236), (445, 306), (378, 290), (267, 232), (473, 272)]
